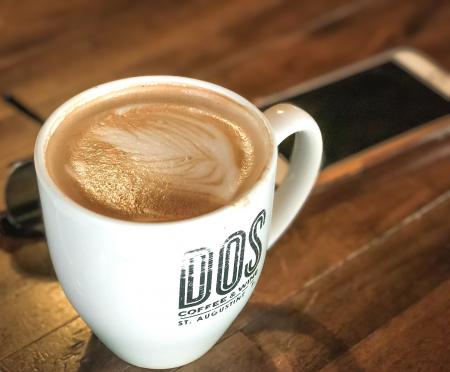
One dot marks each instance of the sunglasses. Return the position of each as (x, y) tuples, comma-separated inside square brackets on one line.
[(22, 217)]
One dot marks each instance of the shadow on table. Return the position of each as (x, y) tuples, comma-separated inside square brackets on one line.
[(326, 347), (98, 358), (29, 256), (229, 355)]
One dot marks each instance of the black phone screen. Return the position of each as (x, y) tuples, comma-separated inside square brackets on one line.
[(366, 108)]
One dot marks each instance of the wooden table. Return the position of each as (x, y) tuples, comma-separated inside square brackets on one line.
[(361, 281)]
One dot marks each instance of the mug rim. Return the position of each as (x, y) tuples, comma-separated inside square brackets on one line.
[(88, 95)]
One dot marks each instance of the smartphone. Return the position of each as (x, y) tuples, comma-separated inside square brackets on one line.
[(369, 102)]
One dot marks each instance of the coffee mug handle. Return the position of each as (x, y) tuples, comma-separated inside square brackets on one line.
[(286, 119)]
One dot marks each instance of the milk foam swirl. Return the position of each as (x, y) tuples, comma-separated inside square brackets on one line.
[(145, 162)]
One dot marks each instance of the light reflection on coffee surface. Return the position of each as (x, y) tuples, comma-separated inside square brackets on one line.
[(147, 159)]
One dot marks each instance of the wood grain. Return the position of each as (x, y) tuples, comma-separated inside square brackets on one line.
[(53, 356), (360, 295), (405, 343), (297, 35), (308, 262), (360, 280)]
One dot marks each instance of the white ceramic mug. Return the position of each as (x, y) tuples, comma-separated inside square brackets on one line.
[(160, 295)]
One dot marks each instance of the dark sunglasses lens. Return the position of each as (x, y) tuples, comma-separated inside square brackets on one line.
[(22, 199)]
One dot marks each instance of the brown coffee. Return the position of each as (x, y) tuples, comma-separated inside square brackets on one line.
[(158, 153)]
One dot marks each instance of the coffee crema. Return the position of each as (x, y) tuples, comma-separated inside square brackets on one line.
[(157, 153)]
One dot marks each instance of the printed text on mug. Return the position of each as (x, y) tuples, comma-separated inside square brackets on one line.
[(233, 276)]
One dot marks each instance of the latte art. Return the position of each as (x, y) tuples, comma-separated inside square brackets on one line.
[(126, 156), (157, 153)]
